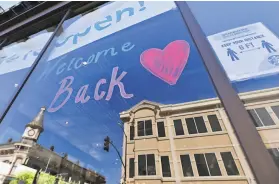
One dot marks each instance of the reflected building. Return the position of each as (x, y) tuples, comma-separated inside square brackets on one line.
[(29, 153), (194, 142)]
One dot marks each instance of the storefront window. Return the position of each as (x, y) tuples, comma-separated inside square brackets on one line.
[(15, 62), (245, 38), (126, 64)]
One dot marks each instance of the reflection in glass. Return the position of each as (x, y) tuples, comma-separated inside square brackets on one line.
[(132, 132), (101, 69), (255, 42), (161, 129), (142, 170), (192, 129), (141, 130), (131, 167), (212, 164), (165, 166), (276, 110), (178, 127), (201, 165), (151, 169), (229, 163), (186, 165), (274, 152), (214, 123), (261, 117), (200, 124), (15, 62), (196, 125), (148, 127)]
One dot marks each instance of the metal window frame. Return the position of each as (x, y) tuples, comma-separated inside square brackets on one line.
[(260, 161)]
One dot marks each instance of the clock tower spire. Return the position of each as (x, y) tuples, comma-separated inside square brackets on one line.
[(34, 128)]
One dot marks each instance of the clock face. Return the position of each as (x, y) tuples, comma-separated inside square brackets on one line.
[(31, 132)]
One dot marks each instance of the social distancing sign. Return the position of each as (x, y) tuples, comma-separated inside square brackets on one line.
[(247, 52)]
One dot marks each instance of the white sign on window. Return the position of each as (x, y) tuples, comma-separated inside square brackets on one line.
[(88, 28), (247, 52)]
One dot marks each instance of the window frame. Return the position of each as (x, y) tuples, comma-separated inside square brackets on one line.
[(131, 138), (144, 129), (237, 169), (132, 168), (210, 124), (258, 116), (163, 122), (191, 165), (146, 164), (207, 165), (169, 166), (195, 123), (175, 130)]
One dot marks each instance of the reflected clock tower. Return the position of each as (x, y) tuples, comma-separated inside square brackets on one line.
[(34, 128)]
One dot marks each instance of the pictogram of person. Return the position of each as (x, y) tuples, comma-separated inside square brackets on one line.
[(232, 54), (268, 46)]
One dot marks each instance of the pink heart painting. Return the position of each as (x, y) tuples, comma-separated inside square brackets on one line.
[(167, 64)]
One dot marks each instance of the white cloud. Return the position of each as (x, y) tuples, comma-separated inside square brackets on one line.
[(8, 4)]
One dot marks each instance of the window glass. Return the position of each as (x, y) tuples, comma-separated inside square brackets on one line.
[(178, 127), (264, 116), (261, 117), (161, 129), (142, 165), (201, 165), (255, 118), (200, 124), (131, 167), (274, 152), (148, 127), (145, 128), (248, 50), (132, 132), (151, 169), (141, 131), (214, 123), (192, 129), (196, 125), (229, 163), (212, 164), (165, 166), (123, 61), (146, 164), (186, 165), (276, 110)]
